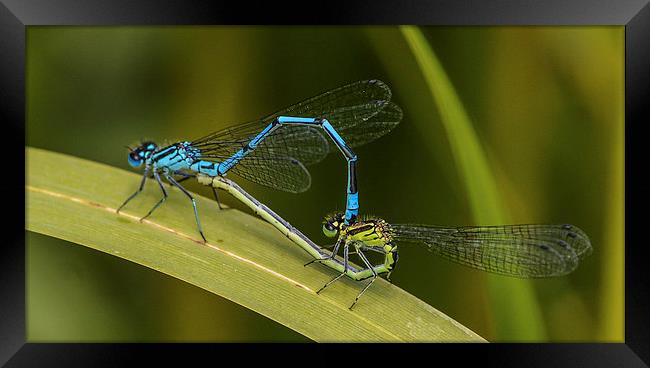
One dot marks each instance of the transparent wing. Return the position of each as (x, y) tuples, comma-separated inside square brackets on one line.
[(360, 112), (357, 131), (305, 144), (514, 250), (363, 99), (282, 173)]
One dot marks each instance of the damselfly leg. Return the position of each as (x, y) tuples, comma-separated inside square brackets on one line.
[(144, 179), (374, 276), (216, 197), (331, 256), (164, 192), (188, 176), (345, 268), (346, 254), (187, 193)]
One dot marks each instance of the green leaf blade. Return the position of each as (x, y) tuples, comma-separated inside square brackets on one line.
[(246, 260)]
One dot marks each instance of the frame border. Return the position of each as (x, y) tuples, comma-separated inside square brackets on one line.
[(16, 15)]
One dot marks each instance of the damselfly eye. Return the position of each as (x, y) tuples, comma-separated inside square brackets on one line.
[(329, 230), (134, 159)]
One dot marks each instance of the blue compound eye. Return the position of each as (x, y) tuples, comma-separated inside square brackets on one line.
[(134, 159)]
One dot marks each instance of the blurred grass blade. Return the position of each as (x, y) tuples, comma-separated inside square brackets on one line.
[(515, 308), (612, 299), (247, 260)]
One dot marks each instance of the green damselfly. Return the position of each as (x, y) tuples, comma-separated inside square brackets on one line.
[(524, 251)]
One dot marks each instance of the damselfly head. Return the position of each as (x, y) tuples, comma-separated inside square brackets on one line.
[(138, 155), (333, 223)]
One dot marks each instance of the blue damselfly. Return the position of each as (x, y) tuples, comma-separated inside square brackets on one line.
[(274, 150)]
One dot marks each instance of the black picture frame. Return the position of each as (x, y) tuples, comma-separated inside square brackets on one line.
[(15, 15)]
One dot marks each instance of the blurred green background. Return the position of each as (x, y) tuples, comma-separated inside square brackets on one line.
[(547, 104)]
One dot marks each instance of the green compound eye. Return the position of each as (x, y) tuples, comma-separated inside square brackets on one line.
[(329, 230)]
